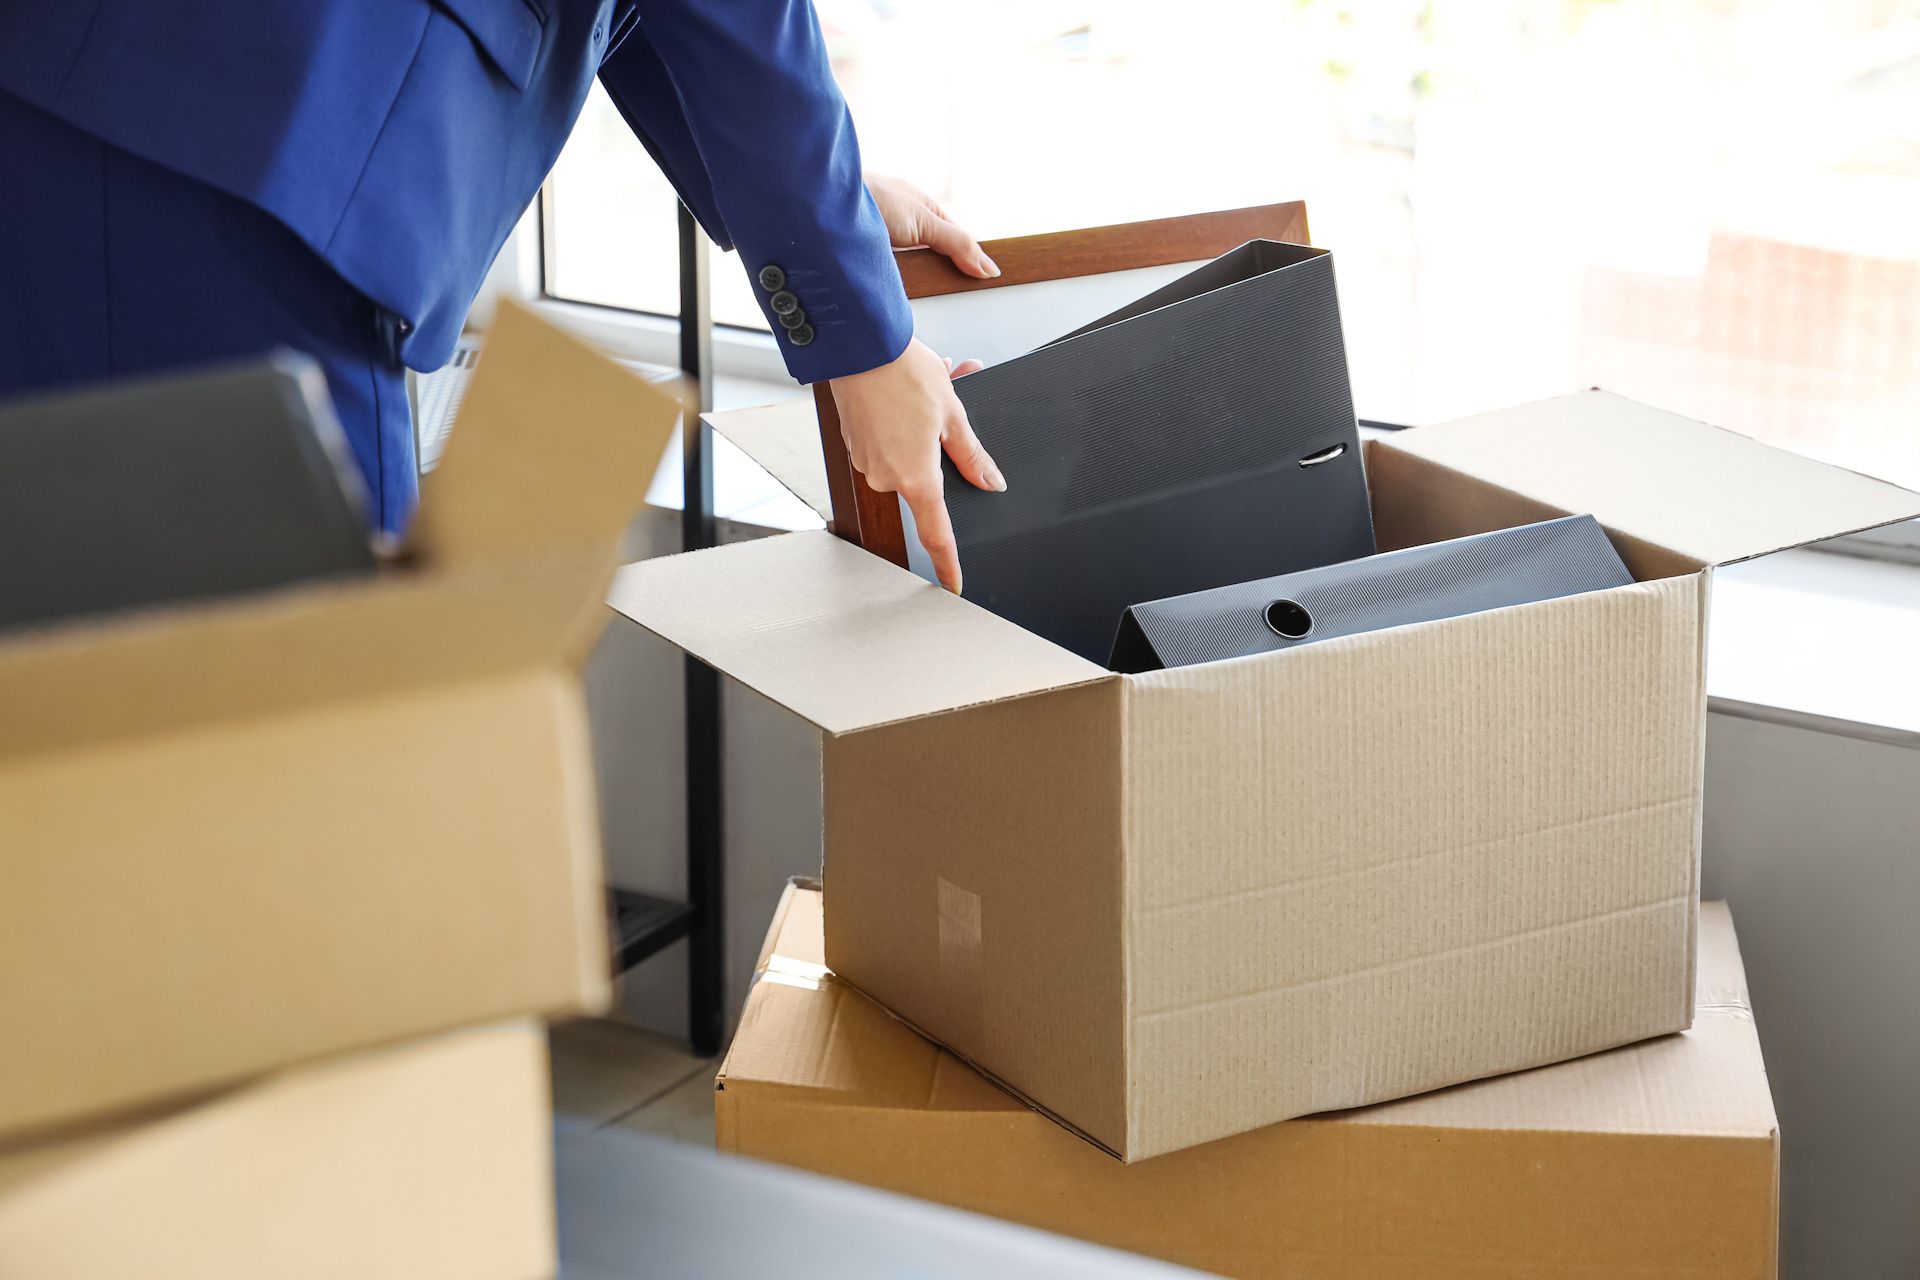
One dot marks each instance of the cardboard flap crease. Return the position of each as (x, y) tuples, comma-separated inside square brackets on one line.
[(838, 636), (1708, 493)]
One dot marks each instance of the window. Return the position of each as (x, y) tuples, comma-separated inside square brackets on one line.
[(1712, 205)]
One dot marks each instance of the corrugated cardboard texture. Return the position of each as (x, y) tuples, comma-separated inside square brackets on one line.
[(1324, 910), (1706, 493), (365, 872), (1657, 1159), (428, 1159), (977, 873), (836, 635)]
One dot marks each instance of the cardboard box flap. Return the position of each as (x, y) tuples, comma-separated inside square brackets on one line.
[(554, 448), (785, 439), (167, 669), (838, 636), (1707, 493)]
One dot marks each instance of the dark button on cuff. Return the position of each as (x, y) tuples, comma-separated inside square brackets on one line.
[(792, 319), (801, 336), (772, 278), (784, 302)]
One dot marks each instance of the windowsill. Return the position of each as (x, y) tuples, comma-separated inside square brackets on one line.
[(1825, 642)]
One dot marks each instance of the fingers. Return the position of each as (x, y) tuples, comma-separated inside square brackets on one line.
[(964, 368), (949, 238), (936, 531), (970, 457)]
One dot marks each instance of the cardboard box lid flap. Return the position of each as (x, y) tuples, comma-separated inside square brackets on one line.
[(1708, 493), (785, 439), (166, 669), (838, 636), (554, 448)]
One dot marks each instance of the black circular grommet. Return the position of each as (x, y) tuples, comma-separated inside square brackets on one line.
[(1289, 619), (801, 336), (772, 278)]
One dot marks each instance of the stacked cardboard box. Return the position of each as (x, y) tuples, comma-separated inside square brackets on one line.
[(1660, 1158), (349, 825)]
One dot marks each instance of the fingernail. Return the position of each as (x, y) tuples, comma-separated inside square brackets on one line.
[(993, 268), (996, 481)]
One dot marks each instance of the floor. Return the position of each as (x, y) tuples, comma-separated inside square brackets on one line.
[(608, 1073)]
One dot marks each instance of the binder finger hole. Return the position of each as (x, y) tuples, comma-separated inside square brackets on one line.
[(1289, 619)]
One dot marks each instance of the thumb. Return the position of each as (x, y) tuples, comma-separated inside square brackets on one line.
[(949, 238)]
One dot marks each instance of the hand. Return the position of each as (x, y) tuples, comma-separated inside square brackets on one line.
[(913, 219), (896, 420)]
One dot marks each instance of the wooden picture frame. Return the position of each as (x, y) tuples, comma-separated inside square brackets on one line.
[(872, 520)]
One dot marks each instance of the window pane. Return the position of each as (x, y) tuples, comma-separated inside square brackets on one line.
[(1713, 205), (611, 230)]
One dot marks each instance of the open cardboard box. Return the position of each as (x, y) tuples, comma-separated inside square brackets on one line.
[(1171, 907), (429, 1158), (1661, 1158), (244, 832)]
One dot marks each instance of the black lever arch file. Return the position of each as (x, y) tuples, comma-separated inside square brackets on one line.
[(1201, 436)]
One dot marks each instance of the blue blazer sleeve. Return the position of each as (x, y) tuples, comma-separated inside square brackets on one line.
[(736, 101)]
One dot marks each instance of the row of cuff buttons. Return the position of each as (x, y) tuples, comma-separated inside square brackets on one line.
[(786, 305)]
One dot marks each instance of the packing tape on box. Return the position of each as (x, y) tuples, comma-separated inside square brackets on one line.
[(794, 973), (961, 967), (785, 971)]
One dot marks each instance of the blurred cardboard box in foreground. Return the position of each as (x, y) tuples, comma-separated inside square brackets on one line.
[(244, 833), (430, 1158)]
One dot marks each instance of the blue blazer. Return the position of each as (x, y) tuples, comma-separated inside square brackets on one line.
[(402, 139)]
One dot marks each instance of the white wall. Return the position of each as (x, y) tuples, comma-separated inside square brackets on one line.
[(1814, 838)]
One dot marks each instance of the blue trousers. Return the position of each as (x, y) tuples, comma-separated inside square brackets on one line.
[(112, 266)]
